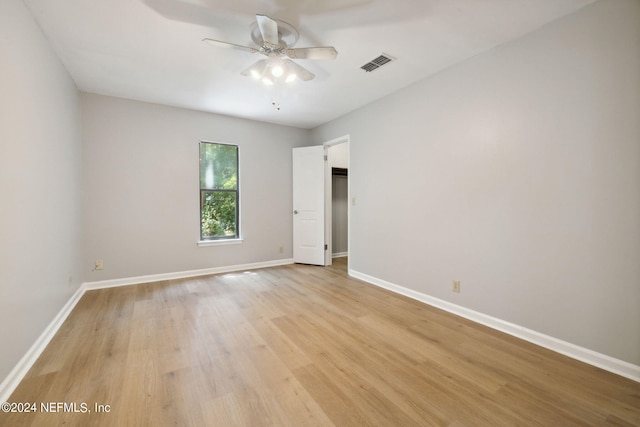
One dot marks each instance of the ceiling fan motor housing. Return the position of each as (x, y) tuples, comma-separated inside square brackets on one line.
[(287, 36)]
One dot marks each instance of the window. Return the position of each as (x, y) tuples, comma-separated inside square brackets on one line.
[(219, 197)]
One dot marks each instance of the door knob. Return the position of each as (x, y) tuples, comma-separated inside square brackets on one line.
[(295, 212)]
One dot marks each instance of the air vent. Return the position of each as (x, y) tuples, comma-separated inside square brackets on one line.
[(376, 63)]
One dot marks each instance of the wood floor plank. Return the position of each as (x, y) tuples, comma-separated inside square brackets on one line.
[(302, 346)]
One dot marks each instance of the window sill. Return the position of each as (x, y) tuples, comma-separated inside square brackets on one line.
[(220, 242)]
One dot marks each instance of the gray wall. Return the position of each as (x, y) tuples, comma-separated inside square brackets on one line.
[(40, 184), (141, 199), (518, 173)]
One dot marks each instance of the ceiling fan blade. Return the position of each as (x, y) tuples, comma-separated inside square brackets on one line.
[(268, 29), (230, 45), (312, 53), (300, 72)]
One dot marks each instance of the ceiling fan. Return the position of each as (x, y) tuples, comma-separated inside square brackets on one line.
[(275, 39)]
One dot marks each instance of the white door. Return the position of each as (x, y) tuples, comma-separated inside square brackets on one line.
[(308, 205)]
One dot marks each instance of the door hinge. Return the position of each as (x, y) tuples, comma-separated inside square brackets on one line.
[(325, 158), (326, 247)]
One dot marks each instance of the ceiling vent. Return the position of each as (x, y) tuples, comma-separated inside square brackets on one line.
[(378, 62)]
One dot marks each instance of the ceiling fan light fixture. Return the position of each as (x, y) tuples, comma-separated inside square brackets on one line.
[(267, 81), (291, 78), (257, 70), (277, 70)]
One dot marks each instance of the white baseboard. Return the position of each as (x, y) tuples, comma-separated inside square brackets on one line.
[(183, 274), (339, 254), (20, 370), (10, 383), (608, 363)]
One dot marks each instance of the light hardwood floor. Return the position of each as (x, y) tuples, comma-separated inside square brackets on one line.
[(303, 346)]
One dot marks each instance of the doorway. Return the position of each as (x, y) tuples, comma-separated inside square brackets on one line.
[(339, 212), (313, 202), (337, 199)]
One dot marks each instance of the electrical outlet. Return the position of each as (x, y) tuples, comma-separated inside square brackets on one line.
[(281, 249), (99, 264), (456, 286)]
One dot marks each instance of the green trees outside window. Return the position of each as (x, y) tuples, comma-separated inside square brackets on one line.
[(219, 197)]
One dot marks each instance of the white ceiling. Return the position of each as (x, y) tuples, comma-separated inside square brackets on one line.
[(151, 50)]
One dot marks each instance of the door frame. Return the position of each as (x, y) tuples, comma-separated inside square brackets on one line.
[(328, 191)]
